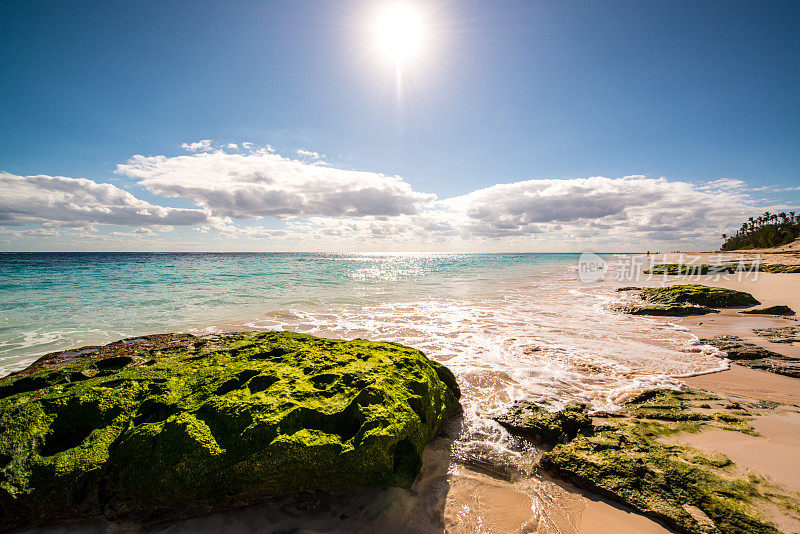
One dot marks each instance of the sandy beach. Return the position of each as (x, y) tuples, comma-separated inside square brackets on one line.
[(774, 452)]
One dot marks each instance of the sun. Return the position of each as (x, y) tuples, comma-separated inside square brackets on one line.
[(400, 31)]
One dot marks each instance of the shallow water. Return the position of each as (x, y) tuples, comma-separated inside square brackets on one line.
[(510, 326)]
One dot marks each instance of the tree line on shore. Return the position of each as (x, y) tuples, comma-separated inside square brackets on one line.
[(765, 231)]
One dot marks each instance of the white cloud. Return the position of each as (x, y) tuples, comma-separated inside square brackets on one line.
[(35, 232), (310, 154), (631, 205), (324, 208), (77, 202), (246, 186), (198, 146), (613, 213)]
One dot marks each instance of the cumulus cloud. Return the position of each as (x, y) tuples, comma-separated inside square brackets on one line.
[(591, 212), (35, 232), (309, 154), (77, 202), (320, 207), (630, 204), (261, 183), (201, 146)]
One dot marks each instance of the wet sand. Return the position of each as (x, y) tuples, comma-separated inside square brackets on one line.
[(750, 384), (479, 503), (773, 455)]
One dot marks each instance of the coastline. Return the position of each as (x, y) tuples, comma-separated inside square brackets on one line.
[(773, 453)]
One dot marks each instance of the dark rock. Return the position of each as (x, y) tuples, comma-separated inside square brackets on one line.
[(684, 300), (755, 357), (790, 269), (189, 425), (669, 310), (685, 488), (676, 269), (537, 423), (771, 310), (786, 334), (483, 465), (699, 295)]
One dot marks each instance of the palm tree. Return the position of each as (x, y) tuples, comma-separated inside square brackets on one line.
[(782, 215), (752, 223), (724, 237)]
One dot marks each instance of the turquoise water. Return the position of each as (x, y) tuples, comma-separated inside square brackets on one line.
[(50, 302), (518, 325)]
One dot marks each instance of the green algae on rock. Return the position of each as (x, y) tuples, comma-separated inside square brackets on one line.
[(771, 310), (783, 334), (175, 425), (666, 310), (755, 357), (694, 269), (780, 269), (537, 423), (684, 300), (689, 490), (699, 295), (690, 269)]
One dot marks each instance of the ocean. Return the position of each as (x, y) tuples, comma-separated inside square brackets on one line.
[(510, 326)]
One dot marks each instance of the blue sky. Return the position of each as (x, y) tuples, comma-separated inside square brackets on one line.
[(505, 93)]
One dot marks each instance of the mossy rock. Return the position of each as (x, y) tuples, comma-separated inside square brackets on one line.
[(666, 310), (687, 489), (665, 482), (780, 269), (675, 269), (537, 423), (175, 425), (699, 295), (783, 334), (771, 310), (755, 357)]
